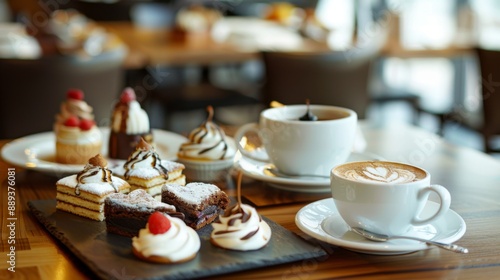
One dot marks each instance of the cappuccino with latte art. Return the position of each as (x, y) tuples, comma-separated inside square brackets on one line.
[(385, 197), (377, 171)]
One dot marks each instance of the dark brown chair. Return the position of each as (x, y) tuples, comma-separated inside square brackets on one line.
[(489, 61), (337, 78), (32, 90)]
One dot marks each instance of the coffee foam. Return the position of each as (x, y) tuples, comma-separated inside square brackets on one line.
[(381, 172)]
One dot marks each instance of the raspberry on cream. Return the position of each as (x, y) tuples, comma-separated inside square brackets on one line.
[(166, 239), (128, 116), (129, 123)]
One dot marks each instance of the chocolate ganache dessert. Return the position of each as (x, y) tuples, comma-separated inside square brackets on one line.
[(129, 123)]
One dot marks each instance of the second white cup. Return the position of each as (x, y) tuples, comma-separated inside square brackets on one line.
[(303, 147)]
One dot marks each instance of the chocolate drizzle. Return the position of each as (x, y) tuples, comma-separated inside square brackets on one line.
[(205, 129), (96, 165), (238, 213), (143, 152)]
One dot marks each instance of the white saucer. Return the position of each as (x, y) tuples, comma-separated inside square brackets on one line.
[(260, 171), (37, 151), (321, 220)]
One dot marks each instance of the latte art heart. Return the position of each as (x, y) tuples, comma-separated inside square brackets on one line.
[(381, 174)]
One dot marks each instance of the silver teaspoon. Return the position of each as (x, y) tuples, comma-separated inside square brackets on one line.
[(381, 237)]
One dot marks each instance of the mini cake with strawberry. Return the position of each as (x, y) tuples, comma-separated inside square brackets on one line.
[(166, 239), (77, 136), (129, 123)]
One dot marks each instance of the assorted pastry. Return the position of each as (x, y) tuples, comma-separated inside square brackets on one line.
[(145, 198), (77, 136), (126, 214), (240, 228), (129, 123), (201, 203), (84, 193), (166, 239), (208, 154), (145, 170)]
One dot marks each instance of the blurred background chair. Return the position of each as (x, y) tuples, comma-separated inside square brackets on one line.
[(323, 78), (33, 89), (489, 61), (338, 78)]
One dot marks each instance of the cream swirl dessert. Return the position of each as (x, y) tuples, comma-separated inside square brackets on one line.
[(77, 136), (166, 239), (129, 123), (241, 228), (207, 142)]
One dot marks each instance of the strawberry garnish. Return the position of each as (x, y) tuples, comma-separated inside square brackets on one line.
[(86, 124), (75, 94), (72, 121), (158, 223), (128, 95)]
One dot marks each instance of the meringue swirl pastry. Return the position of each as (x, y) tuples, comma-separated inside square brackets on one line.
[(241, 228), (207, 142)]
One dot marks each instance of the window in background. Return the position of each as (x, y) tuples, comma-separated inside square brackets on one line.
[(337, 16)]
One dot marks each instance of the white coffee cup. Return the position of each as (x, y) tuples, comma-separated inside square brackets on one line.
[(298, 147), (385, 197)]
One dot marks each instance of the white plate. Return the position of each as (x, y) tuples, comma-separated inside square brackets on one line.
[(260, 171), (37, 151), (321, 220)]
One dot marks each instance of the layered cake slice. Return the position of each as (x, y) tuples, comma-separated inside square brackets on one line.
[(145, 170), (201, 203), (83, 194), (126, 214)]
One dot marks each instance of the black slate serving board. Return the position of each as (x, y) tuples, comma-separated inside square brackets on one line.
[(110, 255)]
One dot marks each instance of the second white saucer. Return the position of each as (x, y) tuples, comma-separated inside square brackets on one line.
[(321, 220), (261, 171)]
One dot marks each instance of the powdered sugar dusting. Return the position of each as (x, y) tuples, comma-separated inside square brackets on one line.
[(147, 172), (193, 193), (138, 199), (100, 189)]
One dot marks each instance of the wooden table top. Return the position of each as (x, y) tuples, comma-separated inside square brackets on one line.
[(153, 47), (473, 179)]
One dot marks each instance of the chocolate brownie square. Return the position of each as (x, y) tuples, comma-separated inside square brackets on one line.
[(127, 214), (201, 203)]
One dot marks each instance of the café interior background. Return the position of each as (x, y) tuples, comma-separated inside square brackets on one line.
[(415, 24)]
